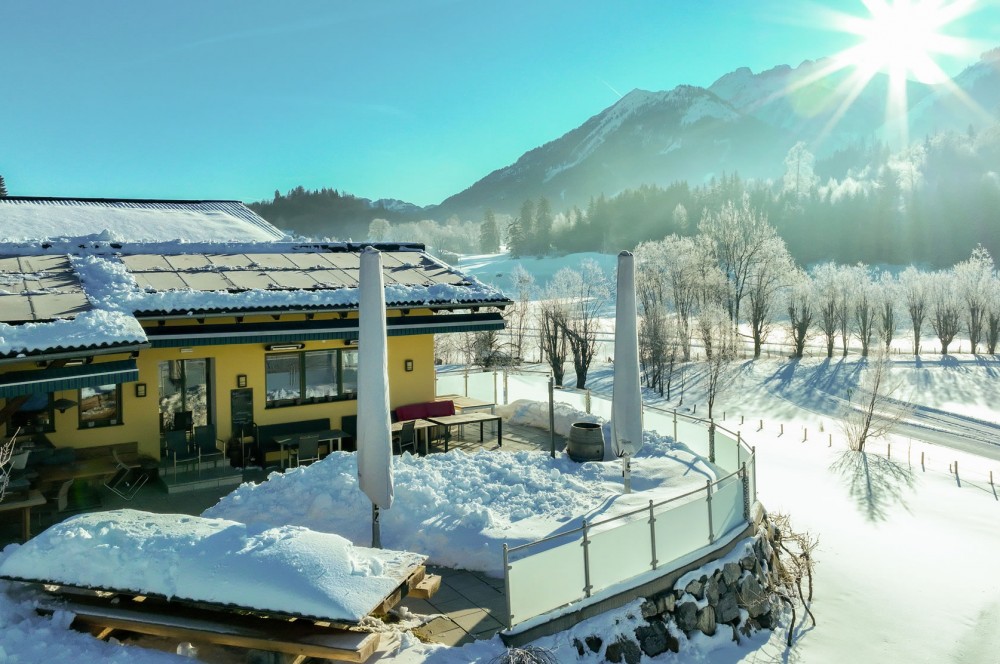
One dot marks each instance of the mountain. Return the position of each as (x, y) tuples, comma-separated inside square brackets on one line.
[(743, 122)]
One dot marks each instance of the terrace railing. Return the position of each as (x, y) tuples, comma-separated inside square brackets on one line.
[(571, 566)]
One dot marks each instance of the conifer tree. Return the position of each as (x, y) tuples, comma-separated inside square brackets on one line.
[(489, 234), (3, 188)]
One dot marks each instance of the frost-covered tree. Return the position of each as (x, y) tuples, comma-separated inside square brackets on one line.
[(993, 316), (945, 310), (800, 178), (914, 286), (740, 235), (801, 309), (721, 349), (585, 294), (872, 412), (551, 322), (522, 284), (973, 277), (766, 279), (680, 216), (3, 188), (378, 230)]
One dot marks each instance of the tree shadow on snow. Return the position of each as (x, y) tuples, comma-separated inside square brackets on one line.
[(874, 482)]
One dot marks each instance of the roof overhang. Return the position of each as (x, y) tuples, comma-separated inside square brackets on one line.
[(315, 330), (53, 379)]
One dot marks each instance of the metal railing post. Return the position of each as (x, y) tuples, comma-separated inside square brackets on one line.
[(675, 426), (506, 400), (652, 535), (586, 401), (746, 491), (586, 559), (753, 469), (711, 527), (506, 585), (552, 416), (711, 440), (466, 377), (494, 386)]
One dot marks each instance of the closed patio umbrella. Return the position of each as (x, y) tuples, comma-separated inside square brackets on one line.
[(374, 427), (626, 400)]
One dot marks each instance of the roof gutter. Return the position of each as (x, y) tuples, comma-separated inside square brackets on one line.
[(69, 355)]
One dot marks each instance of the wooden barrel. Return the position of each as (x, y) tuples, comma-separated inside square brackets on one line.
[(586, 442)]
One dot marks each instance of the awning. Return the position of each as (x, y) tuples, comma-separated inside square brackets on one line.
[(20, 383)]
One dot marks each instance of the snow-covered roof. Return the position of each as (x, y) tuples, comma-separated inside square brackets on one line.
[(24, 218), (294, 571), (93, 296)]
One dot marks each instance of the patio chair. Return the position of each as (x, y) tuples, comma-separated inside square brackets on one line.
[(178, 449), (406, 438), (126, 481), (207, 445), (308, 449)]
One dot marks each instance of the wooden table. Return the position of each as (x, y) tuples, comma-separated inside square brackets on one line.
[(291, 441), (418, 426), (466, 404), (34, 499), (448, 421)]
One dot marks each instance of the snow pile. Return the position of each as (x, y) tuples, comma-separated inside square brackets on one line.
[(294, 570)]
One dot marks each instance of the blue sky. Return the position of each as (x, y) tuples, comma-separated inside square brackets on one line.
[(402, 99)]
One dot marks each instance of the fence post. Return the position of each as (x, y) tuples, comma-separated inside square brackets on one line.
[(805, 434), (652, 535), (708, 501), (741, 420), (746, 491), (586, 559), (506, 585), (466, 377)]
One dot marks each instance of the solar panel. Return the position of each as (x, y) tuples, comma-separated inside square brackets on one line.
[(39, 288)]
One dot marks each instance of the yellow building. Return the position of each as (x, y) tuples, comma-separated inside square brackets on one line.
[(115, 336)]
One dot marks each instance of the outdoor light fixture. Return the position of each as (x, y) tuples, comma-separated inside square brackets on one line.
[(408, 365), (241, 380), (284, 347), (187, 350), (64, 404), (76, 362), (140, 390), (350, 342)]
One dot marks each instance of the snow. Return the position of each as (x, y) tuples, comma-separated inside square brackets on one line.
[(22, 221), (906, 566), (295, 571)]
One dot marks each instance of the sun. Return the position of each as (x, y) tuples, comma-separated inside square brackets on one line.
[(897, 40)]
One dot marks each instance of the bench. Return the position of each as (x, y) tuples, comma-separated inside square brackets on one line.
[(422, 411), (90, 463), (267, 433)]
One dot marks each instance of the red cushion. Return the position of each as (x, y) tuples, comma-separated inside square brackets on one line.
[(440, 408), (414, 411)]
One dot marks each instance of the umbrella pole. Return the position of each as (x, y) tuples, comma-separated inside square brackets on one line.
[(627, 473), (376, 530)]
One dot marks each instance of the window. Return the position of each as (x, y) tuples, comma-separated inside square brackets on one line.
[(310, 377), (34, 415), (100, 406), (185, 394)]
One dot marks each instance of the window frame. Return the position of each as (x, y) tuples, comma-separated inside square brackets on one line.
[(117, 421), (303, 400)]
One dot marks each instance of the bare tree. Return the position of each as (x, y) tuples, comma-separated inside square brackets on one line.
[(800, 310), (765, 281), (721, 344), (740, 234), (6, 462), (864, 304), (872, 412), (993, 315), (583, 295), (886, 294), (552, 325), (794, 564), (973, 278), (826, 294), (913, 284), (517, 315), (944, 309)]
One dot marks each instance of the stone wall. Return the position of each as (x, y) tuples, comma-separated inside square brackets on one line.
[(732, 593)]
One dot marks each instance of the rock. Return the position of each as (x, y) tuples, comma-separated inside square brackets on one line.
[(728, 609), (654, 639), (706, 621), (666, 603), (712, 590), (686, 616), (623, 649), (594, 643), (765, 620), (731, 573), (579, 647), (696, 588), (748, 563), (649, 609), (753, 597)]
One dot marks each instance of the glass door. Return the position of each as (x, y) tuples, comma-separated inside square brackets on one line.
[(185, 394)]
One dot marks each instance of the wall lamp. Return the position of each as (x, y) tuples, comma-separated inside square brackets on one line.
[(284, 347), (64, 404), (408, 365)]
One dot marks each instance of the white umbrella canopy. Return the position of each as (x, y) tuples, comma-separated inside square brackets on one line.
[(374, 426), (626, 400)]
